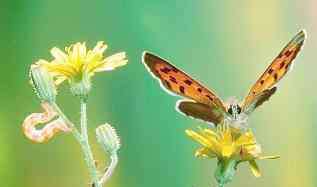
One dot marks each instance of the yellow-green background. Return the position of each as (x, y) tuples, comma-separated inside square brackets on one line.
[(225, 44)]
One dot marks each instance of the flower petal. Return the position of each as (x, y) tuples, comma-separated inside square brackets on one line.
[(227, 136), (254, 149), (246, 138), (60, 79), (116, 57), (59, 55), (227, 150), (210, 133), (42, 62), (99, 48), (96, 54), (112, 62), (197, 137), (255, 168), (269, 157), (205, 153), (82, 51), (75, 53), (64, 69)]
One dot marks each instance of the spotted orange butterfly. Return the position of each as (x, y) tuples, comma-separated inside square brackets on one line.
[(204, 104)]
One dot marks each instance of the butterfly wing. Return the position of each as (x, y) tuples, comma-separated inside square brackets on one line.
[(200, 111), (265, 86), (176, 82), (259, 100)]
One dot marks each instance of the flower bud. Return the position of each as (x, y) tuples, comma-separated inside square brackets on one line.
[(108, 138), (43, 83)]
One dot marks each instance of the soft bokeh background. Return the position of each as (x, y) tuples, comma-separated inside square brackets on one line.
[(225, 44)]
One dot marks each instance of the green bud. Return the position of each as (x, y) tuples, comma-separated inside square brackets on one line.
[(108, 138), (43, 83)]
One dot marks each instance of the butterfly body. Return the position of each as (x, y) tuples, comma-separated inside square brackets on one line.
[(202, 103), (234, 115), (234, 109)]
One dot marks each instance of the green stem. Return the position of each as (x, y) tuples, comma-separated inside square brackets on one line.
[(85, 144), (110, 169), (75, 131), (82, 139), (221, 185), (83, 119)]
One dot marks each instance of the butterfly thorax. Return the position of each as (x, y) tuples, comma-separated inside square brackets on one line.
[(235, 116)]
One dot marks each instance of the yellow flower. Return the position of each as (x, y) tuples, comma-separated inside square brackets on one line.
[(77, 64), (230, 147)]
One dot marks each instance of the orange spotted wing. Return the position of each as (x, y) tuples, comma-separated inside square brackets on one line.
[(204, 104), (265, 86)]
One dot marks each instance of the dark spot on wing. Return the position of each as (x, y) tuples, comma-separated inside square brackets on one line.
[(165, 70), (209, 97), (168, 84), (293, 57), (297, 49), (288, 53), (174, 69), (182, 89), (282, 64), (262, 82), (188, 82), (173, 79), (275, 76), (199, 90), (270, 71)]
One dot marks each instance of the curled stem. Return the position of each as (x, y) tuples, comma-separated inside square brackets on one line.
[(110, 169)]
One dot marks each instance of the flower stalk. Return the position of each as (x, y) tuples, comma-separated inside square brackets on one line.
[(77, 65), (85, 144), (110, 169), (74, 131), (109, 140)]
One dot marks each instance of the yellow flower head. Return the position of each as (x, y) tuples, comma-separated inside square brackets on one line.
[(77, 64), (229, 146)]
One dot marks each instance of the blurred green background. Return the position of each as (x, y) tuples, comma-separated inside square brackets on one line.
[(225, 44)]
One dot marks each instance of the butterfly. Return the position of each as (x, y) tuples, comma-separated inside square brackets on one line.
[(202, 103)]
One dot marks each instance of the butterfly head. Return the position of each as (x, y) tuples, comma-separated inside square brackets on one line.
[(233, 108), (236, 118)]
